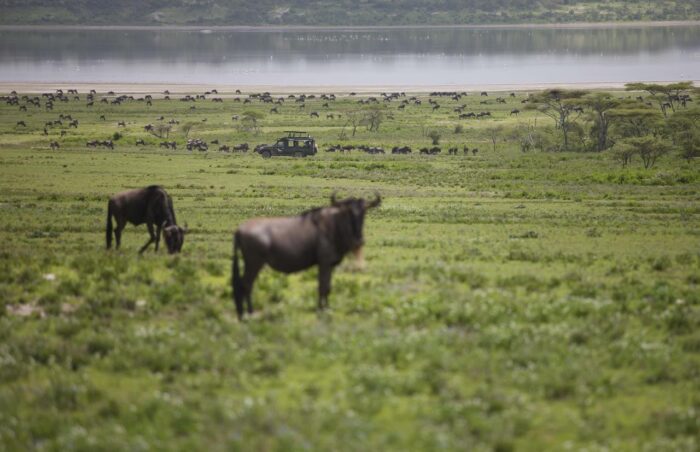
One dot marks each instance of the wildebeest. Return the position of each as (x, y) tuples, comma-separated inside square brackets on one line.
[(21, 123), (320, 236), (430, 151), (54, 145), (401, 150), (151, 205), (515, 112)]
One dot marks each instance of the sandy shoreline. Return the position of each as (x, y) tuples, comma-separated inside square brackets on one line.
[(263, 28), (224, 90)]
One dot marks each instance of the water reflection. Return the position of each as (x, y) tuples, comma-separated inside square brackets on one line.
[(366, 57)]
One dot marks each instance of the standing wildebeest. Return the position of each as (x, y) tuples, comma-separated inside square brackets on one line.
[(150, 205), (320, 236)]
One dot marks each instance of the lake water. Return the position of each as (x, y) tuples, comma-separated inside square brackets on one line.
[(360, 57)]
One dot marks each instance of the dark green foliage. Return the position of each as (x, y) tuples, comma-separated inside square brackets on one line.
[(337, 12)]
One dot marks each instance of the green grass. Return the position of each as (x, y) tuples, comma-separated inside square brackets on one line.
[(509, 301)]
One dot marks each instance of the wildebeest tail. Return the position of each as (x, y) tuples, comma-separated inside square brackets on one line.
[(236, 282), (109, 225)]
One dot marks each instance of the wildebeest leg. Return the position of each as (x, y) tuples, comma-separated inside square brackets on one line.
[(324, 285), (151, 239), (158, 230), (252, 268), (118, 231)]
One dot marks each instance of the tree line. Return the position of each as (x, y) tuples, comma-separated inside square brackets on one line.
[(655, 121), (339, 12)]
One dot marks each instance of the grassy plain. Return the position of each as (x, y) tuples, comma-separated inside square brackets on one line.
[(510, 301)]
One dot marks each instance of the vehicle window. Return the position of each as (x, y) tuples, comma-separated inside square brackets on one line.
[(280, 143)]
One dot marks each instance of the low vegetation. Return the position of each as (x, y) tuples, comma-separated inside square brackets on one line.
[(530, 296)]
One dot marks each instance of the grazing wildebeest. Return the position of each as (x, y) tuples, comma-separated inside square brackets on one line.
[(515, 112), (401, 150), (140, 142), (320, 236), (314, 114), (151, 205), (54, 145), (21, 123)]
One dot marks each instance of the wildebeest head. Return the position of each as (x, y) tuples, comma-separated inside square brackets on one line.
[(174, 236), (352, 211)]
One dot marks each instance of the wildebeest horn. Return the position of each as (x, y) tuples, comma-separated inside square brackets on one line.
[(333, 200), (377, 200)]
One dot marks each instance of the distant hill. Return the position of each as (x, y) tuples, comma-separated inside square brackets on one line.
[(338, 12)]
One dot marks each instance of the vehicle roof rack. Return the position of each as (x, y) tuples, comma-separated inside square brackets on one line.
[(296, 134)]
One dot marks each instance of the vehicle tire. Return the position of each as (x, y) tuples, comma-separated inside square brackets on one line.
[(298, 154), (266, 154)]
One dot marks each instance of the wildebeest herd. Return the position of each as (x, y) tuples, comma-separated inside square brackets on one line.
[(320, 236), (160, 129)]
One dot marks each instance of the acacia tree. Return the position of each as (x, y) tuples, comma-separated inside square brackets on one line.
[(563, 106), (187, 128), (684, 128), (663, 94), (434, 136), (600, 104), (249, 120), (623, 153), (650, 149), (494, 134), (636, 121), (354, 118), (373, 118), (161, 130)]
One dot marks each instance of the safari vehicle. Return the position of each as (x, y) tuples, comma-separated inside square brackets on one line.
[(295, 144)]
